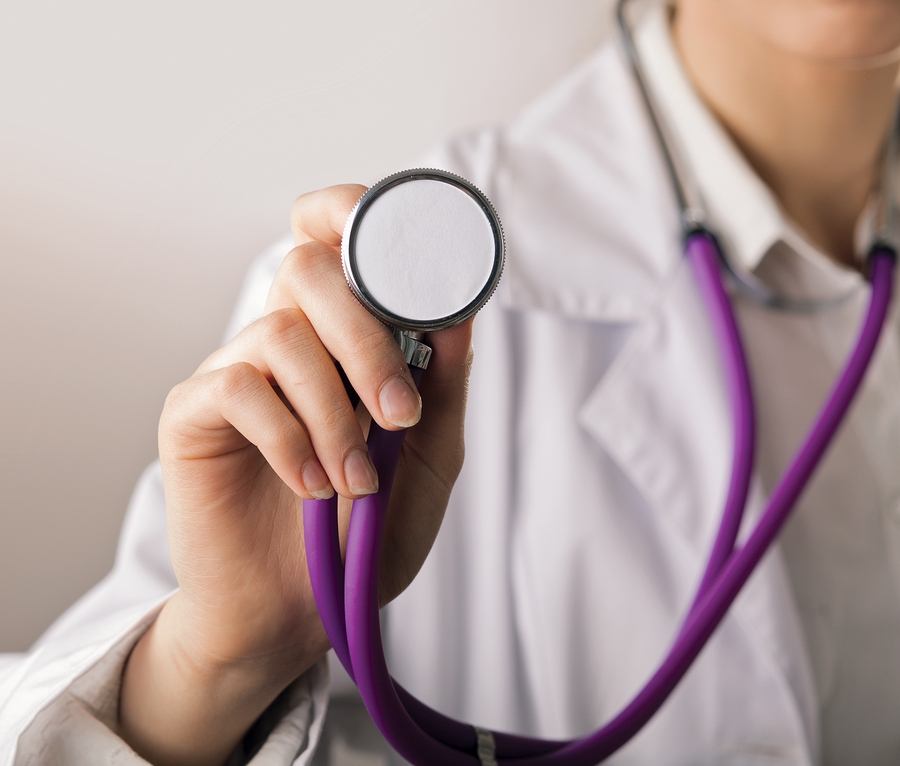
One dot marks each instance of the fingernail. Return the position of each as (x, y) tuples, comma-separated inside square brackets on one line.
[(360, 473), (316, 480), (400, 405)]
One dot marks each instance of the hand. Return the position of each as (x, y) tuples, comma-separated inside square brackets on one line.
[(262, 424)]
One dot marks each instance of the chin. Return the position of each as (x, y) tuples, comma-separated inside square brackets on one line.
[(848, 32)]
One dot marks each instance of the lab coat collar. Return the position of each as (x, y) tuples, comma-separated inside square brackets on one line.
[(588, 147), (591, 224), (742, 210)]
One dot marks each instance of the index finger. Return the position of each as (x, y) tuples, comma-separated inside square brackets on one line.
[(321, 215)]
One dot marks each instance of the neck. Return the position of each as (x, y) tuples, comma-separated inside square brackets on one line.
[(812, 128)]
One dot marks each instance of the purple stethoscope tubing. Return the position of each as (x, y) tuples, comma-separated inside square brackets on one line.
[(347, 594)]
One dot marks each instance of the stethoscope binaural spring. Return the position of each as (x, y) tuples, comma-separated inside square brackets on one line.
[(396, 219)]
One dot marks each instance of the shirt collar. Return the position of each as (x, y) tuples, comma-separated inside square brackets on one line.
[(742, 210)]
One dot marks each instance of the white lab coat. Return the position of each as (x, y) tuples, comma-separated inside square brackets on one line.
[(598, 441)]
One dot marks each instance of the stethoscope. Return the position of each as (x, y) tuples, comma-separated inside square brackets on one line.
[(424, 250)]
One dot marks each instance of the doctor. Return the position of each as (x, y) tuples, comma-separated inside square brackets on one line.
[(596, 392)]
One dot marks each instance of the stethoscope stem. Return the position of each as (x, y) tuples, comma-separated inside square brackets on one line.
[(348, 595)]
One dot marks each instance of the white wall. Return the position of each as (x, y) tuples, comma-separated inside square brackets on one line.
[(147, 152)]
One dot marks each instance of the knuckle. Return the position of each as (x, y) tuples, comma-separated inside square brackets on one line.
[(288, 440), (174, 408), (234, 381), (333, 419), (282, 324), (175, 397), (298, 206), (305, 261), (289, 334), (301, 208), (295, 262), (372, 343)]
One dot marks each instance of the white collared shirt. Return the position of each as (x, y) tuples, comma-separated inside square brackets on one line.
[(844, 572)]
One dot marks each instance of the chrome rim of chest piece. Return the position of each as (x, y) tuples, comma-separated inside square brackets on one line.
[(423, 250)]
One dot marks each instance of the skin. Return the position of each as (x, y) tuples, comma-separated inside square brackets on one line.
[(804, 90), (265, 422), (262, 424)]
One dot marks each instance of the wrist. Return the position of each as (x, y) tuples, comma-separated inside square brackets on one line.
[(183, 703), (209, 649)]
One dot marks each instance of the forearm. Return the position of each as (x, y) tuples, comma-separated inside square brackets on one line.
[(177, 710)]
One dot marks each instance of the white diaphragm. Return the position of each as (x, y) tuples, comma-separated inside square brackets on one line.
[(423, 250)]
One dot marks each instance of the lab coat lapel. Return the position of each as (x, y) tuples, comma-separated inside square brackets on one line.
[(600, 198), (665, 385), (661, 412)]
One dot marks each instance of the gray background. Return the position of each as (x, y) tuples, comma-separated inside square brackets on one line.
[(147, 152)]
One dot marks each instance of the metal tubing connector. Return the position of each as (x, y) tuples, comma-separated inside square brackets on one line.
[(487, 747), (417, 353)]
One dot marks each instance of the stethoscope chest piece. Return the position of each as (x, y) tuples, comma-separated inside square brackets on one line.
[(423, 250)]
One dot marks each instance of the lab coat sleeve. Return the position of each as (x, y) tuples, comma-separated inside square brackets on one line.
[(59, 702)]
